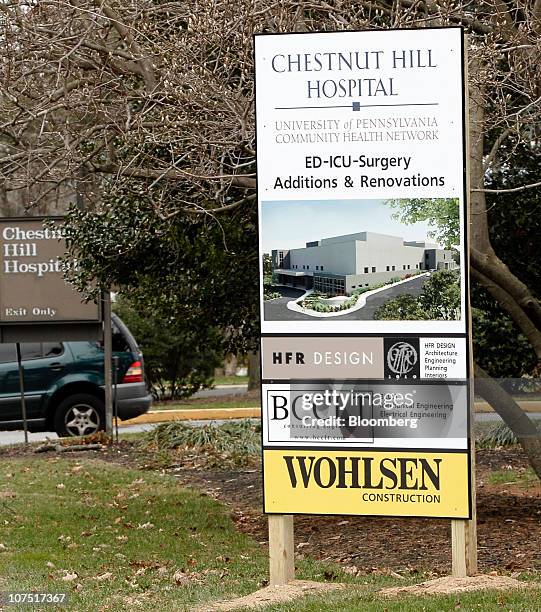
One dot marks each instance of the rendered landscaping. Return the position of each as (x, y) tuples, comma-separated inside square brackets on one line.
[(323, 303)]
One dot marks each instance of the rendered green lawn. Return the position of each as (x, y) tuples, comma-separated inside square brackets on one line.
[(118, 539)]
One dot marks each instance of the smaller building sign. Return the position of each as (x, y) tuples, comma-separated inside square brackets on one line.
[(32, 285), (382, 483), (363, 357)]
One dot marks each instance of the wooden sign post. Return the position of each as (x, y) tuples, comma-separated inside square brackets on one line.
[(281, 549), (464, 532)]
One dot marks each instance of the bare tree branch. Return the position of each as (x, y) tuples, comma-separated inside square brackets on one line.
[(511, 189)]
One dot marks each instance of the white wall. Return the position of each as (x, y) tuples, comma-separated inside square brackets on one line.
[(335, 258), (381, 251)]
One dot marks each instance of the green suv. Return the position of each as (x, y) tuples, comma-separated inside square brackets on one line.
[(64, 384)]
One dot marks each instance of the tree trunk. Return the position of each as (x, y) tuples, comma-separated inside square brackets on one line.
[(514, 417), (254, 371), (503, 285), (230, 365)]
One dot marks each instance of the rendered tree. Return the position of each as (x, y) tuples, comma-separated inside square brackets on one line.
[(157, 98)]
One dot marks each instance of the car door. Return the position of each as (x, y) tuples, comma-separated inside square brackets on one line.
[(43, 364)]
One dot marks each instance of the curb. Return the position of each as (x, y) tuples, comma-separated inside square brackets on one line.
[(208, 414), (205, 414)]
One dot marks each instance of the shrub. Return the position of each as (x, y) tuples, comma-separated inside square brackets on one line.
[(269, 291), (439, 301), (233, 444), (313, 300), (498, 436), (402, 308), (179, 358)]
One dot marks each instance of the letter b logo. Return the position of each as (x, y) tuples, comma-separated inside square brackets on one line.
[(279, 408)]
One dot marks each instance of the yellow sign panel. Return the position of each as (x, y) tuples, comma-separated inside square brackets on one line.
[(384, 483)]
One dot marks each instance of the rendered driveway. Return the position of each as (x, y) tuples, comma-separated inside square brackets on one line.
[(276, 310)]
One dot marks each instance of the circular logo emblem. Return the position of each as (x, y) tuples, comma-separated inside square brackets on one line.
[(401, 358)]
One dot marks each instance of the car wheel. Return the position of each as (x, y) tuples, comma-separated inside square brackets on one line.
[(79, 415)]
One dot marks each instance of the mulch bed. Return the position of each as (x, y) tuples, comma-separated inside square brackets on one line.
[(509, 518)]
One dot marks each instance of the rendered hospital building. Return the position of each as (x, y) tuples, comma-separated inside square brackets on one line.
[(341, 264)]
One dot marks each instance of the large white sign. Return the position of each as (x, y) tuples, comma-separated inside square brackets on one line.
[(361, 181)]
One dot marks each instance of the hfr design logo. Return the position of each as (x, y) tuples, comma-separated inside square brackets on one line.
[(402, 359)]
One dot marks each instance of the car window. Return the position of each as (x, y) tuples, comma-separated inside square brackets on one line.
[(51, 349), (120, 343), (30, 350), (7, 353)]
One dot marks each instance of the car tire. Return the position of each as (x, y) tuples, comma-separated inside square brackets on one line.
[(81, 414)]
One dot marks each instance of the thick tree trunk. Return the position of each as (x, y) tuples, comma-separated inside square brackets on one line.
[(514, 417), (510, 292), (513, 295)]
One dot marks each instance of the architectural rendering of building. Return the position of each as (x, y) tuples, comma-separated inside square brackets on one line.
[(341, 264)]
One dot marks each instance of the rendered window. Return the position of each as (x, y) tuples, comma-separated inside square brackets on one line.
[(388, 268), (373, 269), (366, 270)]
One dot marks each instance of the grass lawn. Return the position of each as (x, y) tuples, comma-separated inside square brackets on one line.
[(124, 533), (366, 599), (240, 400), (118, 539), (231, 380), (524, 478)]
